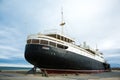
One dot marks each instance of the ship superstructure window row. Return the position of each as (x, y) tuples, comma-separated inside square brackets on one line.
[(59, 37), (45, 42)]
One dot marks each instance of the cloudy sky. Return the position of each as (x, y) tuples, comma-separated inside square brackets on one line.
[(95, 21)]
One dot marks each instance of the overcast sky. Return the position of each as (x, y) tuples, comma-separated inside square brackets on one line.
[(95, 21)]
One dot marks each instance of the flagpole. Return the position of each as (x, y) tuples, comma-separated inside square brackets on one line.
[(62, 22)]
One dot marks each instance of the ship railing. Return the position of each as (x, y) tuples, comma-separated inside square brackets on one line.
[(52, 31), (31, 36), (34, 35), (55, 31), (80, 48)]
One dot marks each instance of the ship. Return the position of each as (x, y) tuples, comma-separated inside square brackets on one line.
[(55, 52)]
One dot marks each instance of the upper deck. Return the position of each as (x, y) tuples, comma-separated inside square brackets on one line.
[(60, 37), (51, 39)]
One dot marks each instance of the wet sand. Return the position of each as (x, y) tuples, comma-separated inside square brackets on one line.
[(14, 75)]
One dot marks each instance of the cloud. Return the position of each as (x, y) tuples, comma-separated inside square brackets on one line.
[(15, 65), (4, 57), (11, 42), (8, 48), (112, 56), (11, 55)]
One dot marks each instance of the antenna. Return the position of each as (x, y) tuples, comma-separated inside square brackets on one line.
[(62, 21), (97, 48)]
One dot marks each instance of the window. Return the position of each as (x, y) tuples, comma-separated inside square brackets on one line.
[(58, 37), (52, 44), (35, 41), (61, 46), (44, 42), (29, 41)]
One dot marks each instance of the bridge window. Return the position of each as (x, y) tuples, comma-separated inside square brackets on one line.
[(29, 41), (44, 42), (52, 44), (35, 41)]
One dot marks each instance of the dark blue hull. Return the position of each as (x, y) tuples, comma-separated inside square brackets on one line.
[(51, 58)]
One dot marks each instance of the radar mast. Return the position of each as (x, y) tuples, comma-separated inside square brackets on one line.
[(62, 21)]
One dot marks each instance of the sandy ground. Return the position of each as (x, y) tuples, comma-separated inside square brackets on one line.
[(114, 75)]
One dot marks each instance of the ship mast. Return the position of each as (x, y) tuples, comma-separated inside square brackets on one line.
[(62, 21)]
